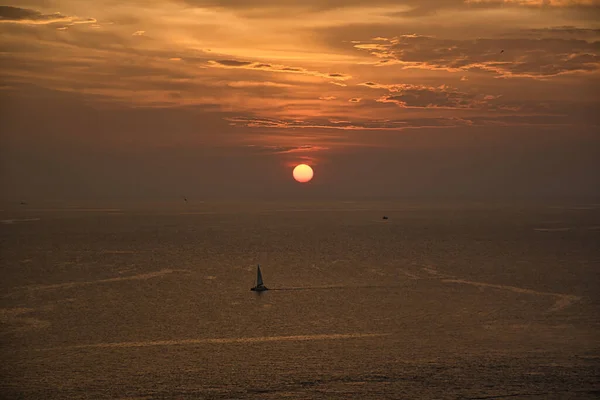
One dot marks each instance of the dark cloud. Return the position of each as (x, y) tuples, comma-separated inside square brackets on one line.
[(536, 58), (421, 96), (9, 13), (274, 68), (431, 97), (26, 16), (233, 63)]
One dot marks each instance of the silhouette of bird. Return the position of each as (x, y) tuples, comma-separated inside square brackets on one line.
[(185, 199), (502, 52)]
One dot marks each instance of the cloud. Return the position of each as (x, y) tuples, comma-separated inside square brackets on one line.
[(250, 84), (447, 97), (558, 32), (292, 80), (248, 7), (535, 3), (281, 149), (25, 15), (421, 96), (258, 66), (9, 14), (232, 63), (399, 124), (414, 7), (428, 97), (504, 57)]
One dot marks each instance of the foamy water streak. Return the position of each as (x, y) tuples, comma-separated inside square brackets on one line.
[(563, 301), (263, 339), (552, 229), (65, 285), (335, 287), (12, 221)]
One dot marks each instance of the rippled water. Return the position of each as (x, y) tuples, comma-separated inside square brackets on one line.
[(452, 301)]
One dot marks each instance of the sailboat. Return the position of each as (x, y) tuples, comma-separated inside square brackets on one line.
[(260, 287)]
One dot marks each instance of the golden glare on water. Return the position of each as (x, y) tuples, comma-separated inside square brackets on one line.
[(303, 173)]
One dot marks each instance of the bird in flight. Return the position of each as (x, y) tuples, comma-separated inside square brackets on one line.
[(502, 52)]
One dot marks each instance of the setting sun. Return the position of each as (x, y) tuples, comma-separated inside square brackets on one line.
[(303, 173)]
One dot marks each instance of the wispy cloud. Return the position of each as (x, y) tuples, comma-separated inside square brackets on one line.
[(260, 66), (505, 57), (17, 15), (443, 96), (421, 96), (399, 124), (536, 3), (280, 149), (269, 8), (251, 84)]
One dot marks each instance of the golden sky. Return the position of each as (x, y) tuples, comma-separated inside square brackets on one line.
[(396, 97)]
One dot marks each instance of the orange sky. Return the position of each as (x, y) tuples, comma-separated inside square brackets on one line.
[(221, 97)]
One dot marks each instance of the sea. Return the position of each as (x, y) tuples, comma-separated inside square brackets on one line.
[(441, 300)]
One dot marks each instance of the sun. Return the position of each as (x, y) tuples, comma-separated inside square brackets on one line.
[(303, 173)]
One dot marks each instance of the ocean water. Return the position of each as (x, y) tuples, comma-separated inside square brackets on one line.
[(440, 301)]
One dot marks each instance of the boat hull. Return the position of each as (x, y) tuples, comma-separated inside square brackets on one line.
[(259, 289)]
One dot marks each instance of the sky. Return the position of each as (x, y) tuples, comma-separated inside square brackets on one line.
[(158, 99)]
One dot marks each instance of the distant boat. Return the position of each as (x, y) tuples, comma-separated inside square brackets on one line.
[(260, 287), (385, 217)]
